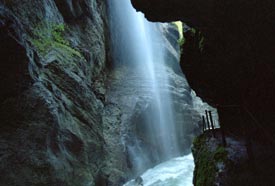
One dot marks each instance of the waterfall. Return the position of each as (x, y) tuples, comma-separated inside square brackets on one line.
[(139, 45)]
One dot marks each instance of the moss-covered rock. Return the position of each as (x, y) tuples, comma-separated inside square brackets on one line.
[(211, 158), (48, 36), (231, 165)]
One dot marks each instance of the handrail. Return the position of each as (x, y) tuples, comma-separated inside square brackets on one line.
[(243, 109), (257, 124)]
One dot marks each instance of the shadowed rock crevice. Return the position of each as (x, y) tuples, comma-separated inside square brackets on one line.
[(14, 75), (14, 79)]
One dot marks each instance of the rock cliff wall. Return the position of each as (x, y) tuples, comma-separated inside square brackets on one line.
[(52, 53)]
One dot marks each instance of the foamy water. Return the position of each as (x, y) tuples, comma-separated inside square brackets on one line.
[(175, 172)]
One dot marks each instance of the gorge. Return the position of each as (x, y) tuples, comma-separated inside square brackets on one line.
[(93, 94)]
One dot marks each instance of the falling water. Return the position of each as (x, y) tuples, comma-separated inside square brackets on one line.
[(137, 43), (138, 38)]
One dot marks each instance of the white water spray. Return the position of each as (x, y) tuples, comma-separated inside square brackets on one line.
[(175, 172)]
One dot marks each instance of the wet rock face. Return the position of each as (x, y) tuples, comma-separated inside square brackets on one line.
[(51, 111), (72, 9), (235, 64)]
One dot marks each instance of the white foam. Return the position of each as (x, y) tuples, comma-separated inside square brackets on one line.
[(175, 172)]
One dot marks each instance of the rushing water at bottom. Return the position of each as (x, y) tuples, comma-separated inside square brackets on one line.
[(175, 172)]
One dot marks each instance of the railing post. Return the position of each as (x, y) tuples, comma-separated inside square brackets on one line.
[(207, 120), (211, 121), (203, 124)]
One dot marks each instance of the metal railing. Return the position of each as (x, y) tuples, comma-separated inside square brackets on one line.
[(249, 127)]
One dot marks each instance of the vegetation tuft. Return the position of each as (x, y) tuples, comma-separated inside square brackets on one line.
[(52, 35)]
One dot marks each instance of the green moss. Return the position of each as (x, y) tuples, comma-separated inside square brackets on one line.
[(206, 161), (220, 154), (193, 30), (205, 171), (201, 43), (199, 141), (47, 36)]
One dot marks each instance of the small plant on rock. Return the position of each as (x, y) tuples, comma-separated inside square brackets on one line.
[(47, 36)]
